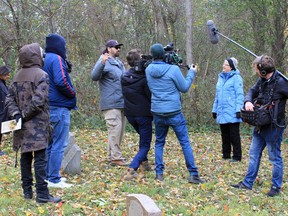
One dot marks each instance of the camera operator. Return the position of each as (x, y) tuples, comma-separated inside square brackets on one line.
[(137, 105), (271, 88), (166, 82)]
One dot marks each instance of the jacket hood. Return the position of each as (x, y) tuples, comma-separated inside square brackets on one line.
[(56, 44), (158, 68), (230, 73), (131, 76), (30, 56)]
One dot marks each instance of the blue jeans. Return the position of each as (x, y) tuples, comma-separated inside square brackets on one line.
[(143, 126), (60, 120), (178, 124), (272, 138)]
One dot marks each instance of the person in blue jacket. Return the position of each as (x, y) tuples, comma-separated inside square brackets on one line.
[(166, 83), (62, 98), (229, 100)]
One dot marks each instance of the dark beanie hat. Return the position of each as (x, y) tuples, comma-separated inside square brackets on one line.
[(4, 70), (157, 51), (56, 44), (232, 63)]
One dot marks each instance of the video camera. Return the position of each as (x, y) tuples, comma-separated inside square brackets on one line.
[(143, 63), (171, 56)]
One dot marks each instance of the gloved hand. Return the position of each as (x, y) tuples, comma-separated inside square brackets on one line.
[(238, 114), (214, 115), (17, 117)]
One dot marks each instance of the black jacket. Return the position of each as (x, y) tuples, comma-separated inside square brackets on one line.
[(137, 96), (275, 88)]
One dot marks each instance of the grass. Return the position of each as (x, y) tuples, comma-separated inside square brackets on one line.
[(98, 190)]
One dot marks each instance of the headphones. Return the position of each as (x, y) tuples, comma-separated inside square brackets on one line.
[(263, 72)]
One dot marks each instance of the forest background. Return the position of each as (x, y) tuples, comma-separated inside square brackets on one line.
[(260, 26)]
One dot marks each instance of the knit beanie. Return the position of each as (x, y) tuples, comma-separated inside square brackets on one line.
[(157, 51), (4, 70), (233, 63), (56, 44)]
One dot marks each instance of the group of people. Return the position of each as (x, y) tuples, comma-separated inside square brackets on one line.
[(153, 94), (270, 93), (41, 95)]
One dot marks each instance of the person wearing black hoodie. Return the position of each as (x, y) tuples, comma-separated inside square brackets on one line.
[(137, 106), (4, 75)]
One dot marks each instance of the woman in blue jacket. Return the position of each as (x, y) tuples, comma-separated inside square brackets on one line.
[(228, 102)]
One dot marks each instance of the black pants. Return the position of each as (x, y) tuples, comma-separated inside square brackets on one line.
[(40, 162), (231, 137)]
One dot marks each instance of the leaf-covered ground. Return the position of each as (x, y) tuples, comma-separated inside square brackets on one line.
[(99, 190)]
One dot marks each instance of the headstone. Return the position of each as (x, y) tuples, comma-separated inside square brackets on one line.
[(141, 205), (72, 157)]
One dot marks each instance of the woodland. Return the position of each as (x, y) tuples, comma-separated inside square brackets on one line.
[(261, 26)]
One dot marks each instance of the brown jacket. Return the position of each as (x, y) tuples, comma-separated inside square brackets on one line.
[(28, 96)]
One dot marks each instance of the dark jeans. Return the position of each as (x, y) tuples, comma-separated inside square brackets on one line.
[(40, 162), (143, 126), (231, 137)]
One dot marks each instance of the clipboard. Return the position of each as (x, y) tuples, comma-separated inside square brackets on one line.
[(11, 125)]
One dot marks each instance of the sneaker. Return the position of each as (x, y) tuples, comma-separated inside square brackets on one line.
[(195, 179), (241, 185), (60, 184), (63, 179), (159, 177), (274, 191), (119, 163), (129, 175), (145, 166), (49, 199)]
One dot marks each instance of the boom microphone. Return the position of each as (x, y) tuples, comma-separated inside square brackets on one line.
[(214, 38), (212, 32)]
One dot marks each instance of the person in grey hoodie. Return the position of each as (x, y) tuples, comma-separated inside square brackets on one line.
[(166, 83), (108, 71)]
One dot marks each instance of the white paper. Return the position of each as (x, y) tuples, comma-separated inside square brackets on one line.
[(11, 125)]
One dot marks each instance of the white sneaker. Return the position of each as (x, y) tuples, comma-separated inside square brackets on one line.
[(60, 184), (63, 179)]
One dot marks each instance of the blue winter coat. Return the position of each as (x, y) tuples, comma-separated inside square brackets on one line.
[(165, 82), (229, 98)]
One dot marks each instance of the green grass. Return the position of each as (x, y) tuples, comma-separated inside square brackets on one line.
[(98, 190)]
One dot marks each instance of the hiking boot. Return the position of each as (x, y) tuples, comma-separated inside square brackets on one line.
[(118, 163), (27, 196), (274, 191), (50, 199), (241, 185), (129, 175), (145, 166), (159, 177), (195, 179)]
